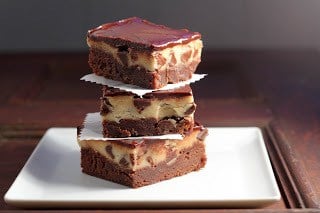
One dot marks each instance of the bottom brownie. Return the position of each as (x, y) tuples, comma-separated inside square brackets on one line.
[(141, 163)]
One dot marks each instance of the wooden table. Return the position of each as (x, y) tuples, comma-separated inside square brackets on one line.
[(277, 90)]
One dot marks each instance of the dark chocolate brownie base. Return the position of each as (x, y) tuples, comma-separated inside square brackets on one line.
[(95, 164), (145, 127), (103, 64)]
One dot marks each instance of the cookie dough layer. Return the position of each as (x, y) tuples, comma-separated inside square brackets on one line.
[(139, 52), (140, 163), (157, 113)]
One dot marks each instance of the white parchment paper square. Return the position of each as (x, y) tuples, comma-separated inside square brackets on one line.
[(136, 89)]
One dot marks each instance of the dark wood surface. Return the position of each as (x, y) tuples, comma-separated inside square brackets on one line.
[(277, 90)]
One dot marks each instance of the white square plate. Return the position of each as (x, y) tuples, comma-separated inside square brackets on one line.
[(238, 174)]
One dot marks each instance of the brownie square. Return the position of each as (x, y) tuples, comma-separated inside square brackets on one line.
[(137, 163), (162, 112), (136, 51)]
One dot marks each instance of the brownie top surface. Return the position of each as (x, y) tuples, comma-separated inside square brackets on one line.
[(142, 32), (159, 94)]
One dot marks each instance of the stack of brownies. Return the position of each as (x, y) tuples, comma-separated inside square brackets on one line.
[(138, 52)]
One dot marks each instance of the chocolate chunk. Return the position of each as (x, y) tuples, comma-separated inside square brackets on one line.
[(123, 48), (109, 151), (141, 103), (123, 54), (150, 160), (161, 60), (186, 56), (104, 107), (173, 60), (123, 58), (190, 110), (134, 56), (124, 162)]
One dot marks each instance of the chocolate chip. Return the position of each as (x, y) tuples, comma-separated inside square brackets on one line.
[(105, 106), (123, 56), (109, 151), (160, 59), (150, 160), (123, 48), (173, 60), (185, 56), (124, 162), (190, 110), (141, 103), (134, 56)]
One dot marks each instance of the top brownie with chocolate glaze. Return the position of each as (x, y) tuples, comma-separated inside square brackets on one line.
[(141, 34), (138, 52)]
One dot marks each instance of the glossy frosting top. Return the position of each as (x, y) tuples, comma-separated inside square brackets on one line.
[(142, 32)]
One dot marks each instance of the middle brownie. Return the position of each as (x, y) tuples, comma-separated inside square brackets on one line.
[(125, 114)]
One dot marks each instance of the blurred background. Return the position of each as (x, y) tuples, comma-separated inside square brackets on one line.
[(262, 58), (61, 25)]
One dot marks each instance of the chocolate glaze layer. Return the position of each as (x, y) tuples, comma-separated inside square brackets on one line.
[(137, 33)]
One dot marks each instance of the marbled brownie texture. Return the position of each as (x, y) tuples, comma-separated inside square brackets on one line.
[(137, 163), (162, 112), (142, 53)]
